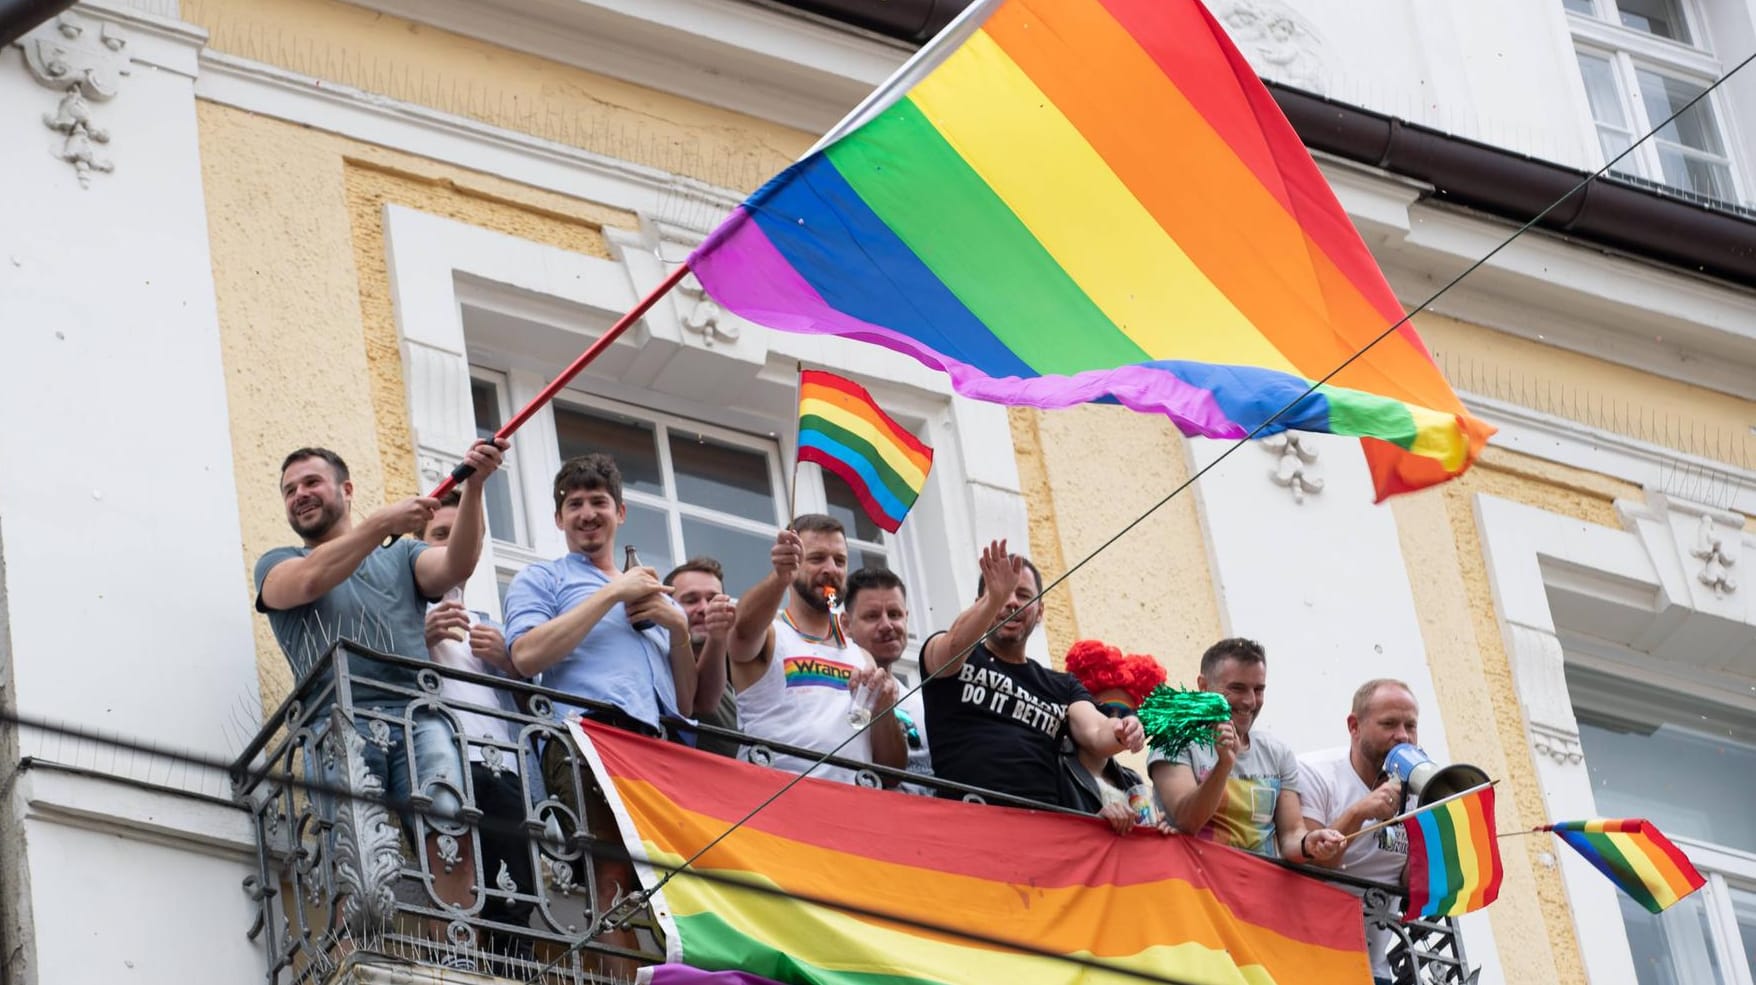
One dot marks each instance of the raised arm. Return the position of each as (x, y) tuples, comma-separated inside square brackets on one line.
[(1190, 805), (944, 654), (441, 569), (1101, 735), (752, 638), (710, 662), (301, 580)]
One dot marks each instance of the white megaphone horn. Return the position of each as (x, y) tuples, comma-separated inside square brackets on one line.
[(1427, 780)]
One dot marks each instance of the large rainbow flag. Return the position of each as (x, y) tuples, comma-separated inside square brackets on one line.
[(804, 892), (1097, 200), (1636, 856), (1453, 856)]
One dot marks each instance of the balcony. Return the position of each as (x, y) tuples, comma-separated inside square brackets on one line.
[(341, 896)]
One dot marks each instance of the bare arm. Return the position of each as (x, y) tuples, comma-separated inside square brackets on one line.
[(1103, 736), (710, 662), (889, 745), (1189, 804), (944, 654), (441, 569), (545, 646), (752, 638), (301, 580)]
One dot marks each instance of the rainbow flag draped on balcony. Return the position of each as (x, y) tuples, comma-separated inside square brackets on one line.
[(1636, 856), (1097, 200), (844, 430), (834, 884), (1453, 857)]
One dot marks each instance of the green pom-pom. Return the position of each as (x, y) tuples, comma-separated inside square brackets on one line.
[(1175, 719)]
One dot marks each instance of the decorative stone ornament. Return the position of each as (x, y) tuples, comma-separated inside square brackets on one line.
[(1297, 469), (1716, 558), (85, 61), (702, 315)]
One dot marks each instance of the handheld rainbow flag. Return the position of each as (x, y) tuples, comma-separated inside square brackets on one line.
[(1097, 200), (1636, 856), (842, 429), (1453, 856), (772, 899)]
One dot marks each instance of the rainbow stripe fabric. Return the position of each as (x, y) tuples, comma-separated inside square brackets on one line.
[(1097, 200), (1054, 883), (1636, 856), (842, 429), (1453, 857)]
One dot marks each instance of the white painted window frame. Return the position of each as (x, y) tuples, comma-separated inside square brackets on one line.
[(1629, 50), (1527, 549)]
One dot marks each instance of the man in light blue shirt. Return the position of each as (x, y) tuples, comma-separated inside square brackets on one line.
[(572, 620)]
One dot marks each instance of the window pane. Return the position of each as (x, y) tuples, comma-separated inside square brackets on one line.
[(647, 530), (1744, 907), (1695, 129), (845, 506), (630, 441), (1673, 947), (722, 477), (1664, 773), (1600, 92), (1661, 17), (1692, 173), (866, 557), (744, 555), (1614, 142), (485, 397), (1579, 6)]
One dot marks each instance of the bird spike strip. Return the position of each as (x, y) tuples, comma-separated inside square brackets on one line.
[(1175, 718)]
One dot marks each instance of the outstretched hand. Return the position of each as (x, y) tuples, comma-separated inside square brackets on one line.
[(1001, 572)]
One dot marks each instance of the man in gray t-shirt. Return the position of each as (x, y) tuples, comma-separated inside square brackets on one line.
[(342, 583), (1242, 792)]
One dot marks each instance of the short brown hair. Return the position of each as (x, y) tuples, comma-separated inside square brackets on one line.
[(870, 579), (1235, 648), (334, 460), (705, 565), (1364, 694), (816, 523), (589, 472)]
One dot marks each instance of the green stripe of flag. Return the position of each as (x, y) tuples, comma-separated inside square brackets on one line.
[(711, 943), (913, 180), (1455, 878), (1624, 873), (898, 486), (1358, 414)]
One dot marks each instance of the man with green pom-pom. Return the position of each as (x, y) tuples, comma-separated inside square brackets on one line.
[(1242, 789)]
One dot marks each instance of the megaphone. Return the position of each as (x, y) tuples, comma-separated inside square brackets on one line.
[(1427, 780)]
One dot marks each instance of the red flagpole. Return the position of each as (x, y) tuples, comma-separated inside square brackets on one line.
[(555, 386)]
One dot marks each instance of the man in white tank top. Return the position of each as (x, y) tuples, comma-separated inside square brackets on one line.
[(793, 674)]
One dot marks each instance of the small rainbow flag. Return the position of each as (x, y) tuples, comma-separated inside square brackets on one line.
[(1453, 856), (1097, 200), (1636, 856), (835, 884), (842, 429)]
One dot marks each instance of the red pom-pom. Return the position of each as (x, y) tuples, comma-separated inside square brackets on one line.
[(1098, 666), (1143, 673)]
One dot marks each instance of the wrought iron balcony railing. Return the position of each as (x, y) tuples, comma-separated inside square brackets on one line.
[(346, 874)]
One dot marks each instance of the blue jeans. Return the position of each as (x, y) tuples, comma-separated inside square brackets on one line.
[(437, 770)]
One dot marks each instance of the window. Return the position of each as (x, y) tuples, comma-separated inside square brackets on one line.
[(1641, 61), (690, 489), (1681, 761)]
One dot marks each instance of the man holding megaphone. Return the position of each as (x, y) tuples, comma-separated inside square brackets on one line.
[(1349, 788)]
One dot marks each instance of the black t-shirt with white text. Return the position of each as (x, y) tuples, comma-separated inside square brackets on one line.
[(998, 725)]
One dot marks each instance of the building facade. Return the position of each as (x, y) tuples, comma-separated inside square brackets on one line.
[(235, 227)]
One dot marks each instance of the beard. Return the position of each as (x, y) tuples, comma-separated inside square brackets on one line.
[(328, 515), (811, 593)]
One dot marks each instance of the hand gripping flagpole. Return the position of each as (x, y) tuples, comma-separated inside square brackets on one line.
[(555, 386)]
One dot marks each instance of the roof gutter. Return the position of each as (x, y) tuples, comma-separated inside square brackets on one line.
[(1609, 213)]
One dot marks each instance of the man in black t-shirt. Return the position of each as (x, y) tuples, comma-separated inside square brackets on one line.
[(995, 715)]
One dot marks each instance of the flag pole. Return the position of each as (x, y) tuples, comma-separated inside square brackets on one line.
[(798, 402), (918, 65), (595, 350), (1398, 819)]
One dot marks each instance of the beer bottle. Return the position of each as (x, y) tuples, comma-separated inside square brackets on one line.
[(630, 561)]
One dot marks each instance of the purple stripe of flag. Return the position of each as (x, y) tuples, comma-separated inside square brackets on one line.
[(682, 974)]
